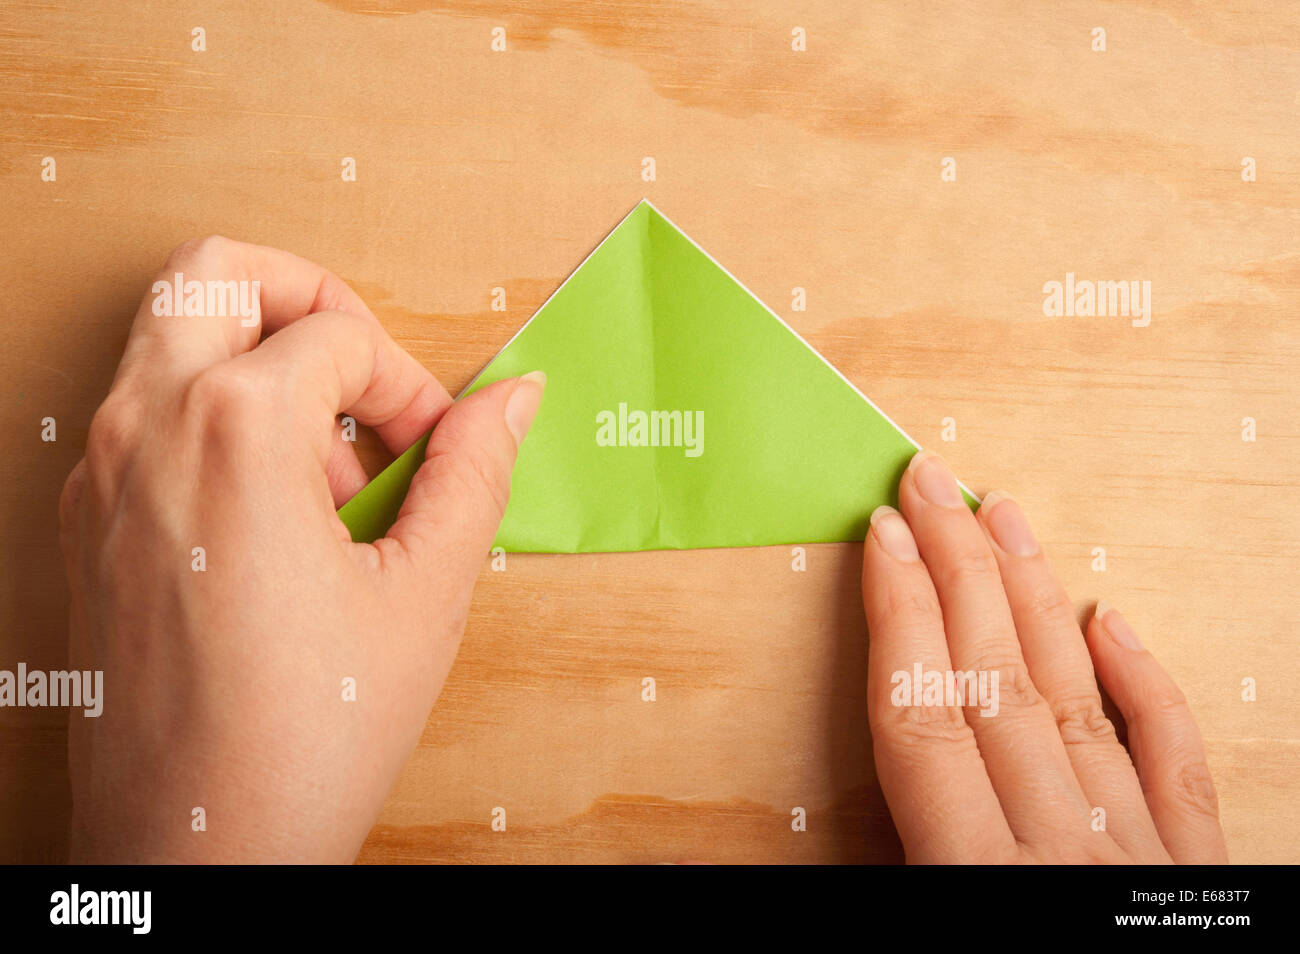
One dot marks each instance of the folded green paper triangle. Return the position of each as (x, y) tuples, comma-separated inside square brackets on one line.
[(680, 413)]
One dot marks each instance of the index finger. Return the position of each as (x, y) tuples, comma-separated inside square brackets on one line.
[(332, 361), (927, 761)]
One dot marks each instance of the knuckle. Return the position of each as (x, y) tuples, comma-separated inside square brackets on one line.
[(1015, 687), (1046, 604), (1194, 788), (1168, 701), (111, 434), (966, 569), (70, 497), (332, 294), (1081, 721), (471, 467), (206, 250), (221, 397), (911, 605), (222, 387), (913, 727), (493, 479)]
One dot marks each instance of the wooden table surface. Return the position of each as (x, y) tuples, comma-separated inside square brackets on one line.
[(819, 169)]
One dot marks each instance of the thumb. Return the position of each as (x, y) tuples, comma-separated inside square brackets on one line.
[(459, 494)]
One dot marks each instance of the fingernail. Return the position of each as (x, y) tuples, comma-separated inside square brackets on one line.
[(1116, 626), (894, 535), (935, 480), (1006, 521), (521, 407)]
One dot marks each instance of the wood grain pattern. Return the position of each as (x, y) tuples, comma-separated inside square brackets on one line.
[(817, 169)]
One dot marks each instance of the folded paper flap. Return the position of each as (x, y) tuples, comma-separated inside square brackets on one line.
[(680, 413)]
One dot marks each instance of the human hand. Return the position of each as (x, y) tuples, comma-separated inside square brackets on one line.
[(948, 590), (225, 685)]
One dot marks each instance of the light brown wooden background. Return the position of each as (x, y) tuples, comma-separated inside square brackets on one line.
[(818, 169)]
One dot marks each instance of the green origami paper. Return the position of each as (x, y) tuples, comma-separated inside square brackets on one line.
[(680, 413)]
